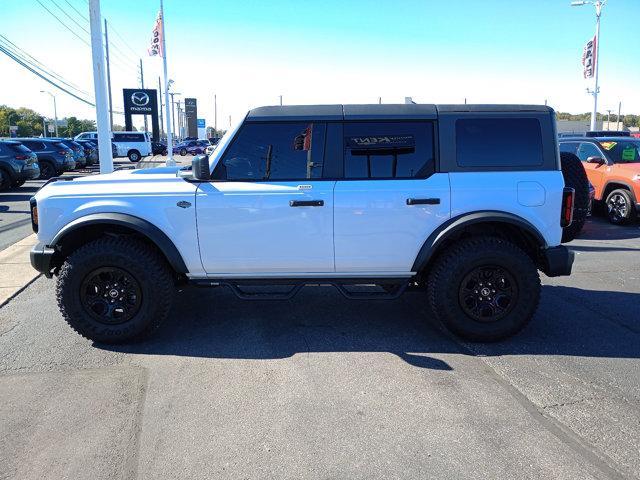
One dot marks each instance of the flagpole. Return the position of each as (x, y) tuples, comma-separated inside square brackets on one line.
[(170, 161)]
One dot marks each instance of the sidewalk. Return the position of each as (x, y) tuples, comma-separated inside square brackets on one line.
[(15, 268)]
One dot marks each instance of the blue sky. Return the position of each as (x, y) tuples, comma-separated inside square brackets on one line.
[(250, 52)]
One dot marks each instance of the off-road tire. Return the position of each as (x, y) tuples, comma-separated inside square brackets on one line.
[(47, 170), (134, 156), (576, 178), (614, 215), (5, 180), (447, 274), (140, 261)]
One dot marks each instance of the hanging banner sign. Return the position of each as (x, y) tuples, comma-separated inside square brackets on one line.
[(589, 58)]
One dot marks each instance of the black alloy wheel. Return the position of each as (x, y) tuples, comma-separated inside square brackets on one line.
[(110, 295), (488, 293)]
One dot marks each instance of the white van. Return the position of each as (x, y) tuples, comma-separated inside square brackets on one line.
[(134, 145)]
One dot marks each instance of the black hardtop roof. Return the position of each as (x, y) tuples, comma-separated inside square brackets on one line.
[(376, 111)]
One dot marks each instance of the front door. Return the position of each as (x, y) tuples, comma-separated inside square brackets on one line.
[(595, 171), (390, 200), (268, 212)]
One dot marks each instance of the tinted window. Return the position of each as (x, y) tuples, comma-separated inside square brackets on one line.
[(623, 151), (499, 142), (587, 150), (276, 151), (128, 137), (569, 147), (388, 150), (33, 145), (17, 148)]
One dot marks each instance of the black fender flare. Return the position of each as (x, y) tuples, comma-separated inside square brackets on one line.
[(456, 224), (153, 233), (622, 183)]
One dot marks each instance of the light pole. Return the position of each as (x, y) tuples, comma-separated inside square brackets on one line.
[(173, 111), (596, 89), (55, 110)]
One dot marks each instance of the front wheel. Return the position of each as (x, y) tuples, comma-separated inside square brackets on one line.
[(115, 290), (620, 209), (47, 170), (183, 151), (484, 289)]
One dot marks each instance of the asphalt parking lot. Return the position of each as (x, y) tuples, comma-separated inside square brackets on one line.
[(323, 387)]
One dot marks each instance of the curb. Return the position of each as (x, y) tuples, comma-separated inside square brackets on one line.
[(16, 272)]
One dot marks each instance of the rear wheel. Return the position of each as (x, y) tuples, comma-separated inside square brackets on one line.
[(484, 289), (47, 170), (620, 208), (576, 178), (115, 290), (183, 151), (134, 156)]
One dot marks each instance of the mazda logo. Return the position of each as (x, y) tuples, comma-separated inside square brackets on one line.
[(140, 99)]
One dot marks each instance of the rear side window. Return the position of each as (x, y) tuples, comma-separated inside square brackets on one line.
[(128, 137), (17, 148), (32, 145), (498, 142), (275, 151), (386, 150)]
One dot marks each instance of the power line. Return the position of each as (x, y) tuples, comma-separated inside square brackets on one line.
[(28, 67), (64, 24), (76, 10), (70, 17), (37, 64)]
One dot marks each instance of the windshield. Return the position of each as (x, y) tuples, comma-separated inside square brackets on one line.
[(222, 144), (623, 151)]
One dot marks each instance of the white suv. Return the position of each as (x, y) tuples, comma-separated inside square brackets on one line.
[(463, 203), (134, 145)]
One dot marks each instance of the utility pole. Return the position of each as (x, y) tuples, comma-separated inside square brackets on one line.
[(142, 85), (44, 127), (608, 119), (215, 114), (229, 121), (160, 108), (100, 88), (173, 112), (55, 110), (379, 100), (280, 100), (618, 122), (106, 46), (596, 89)]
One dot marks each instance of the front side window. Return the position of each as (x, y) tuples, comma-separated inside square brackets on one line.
[(498, 142), (35, 146), (275, 151), (387, 150), (587, 150), (623, 151)]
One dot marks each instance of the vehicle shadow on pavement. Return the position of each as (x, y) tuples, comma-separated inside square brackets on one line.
[(215, 324), (597, 228)]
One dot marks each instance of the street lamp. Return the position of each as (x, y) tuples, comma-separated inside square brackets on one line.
[(598, 4), (55, 110)]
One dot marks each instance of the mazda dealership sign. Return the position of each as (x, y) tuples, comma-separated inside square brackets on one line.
[(141, 101)]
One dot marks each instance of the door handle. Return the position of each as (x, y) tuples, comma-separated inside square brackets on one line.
[(423, 201), (306, 203)]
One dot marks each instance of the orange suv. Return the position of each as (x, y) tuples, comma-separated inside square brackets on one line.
[(613, 167)]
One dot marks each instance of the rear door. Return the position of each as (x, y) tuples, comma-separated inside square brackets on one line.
[(391, 198), (268, 211)]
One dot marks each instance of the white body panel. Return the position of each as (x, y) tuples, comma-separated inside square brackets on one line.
[(535, 196), (375, 229), (140, 193), (250, 228), (122, 147)]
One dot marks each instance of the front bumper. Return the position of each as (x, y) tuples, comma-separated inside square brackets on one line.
[(41, 258), (557, 261)]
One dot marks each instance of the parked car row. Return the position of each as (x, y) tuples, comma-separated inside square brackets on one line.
[(133, 145)]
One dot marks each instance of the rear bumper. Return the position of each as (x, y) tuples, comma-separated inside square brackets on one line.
[(41, 257), (557, 261), (30, 172)]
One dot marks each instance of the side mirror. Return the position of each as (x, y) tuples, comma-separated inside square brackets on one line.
[(200, 168), (598, 160)]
